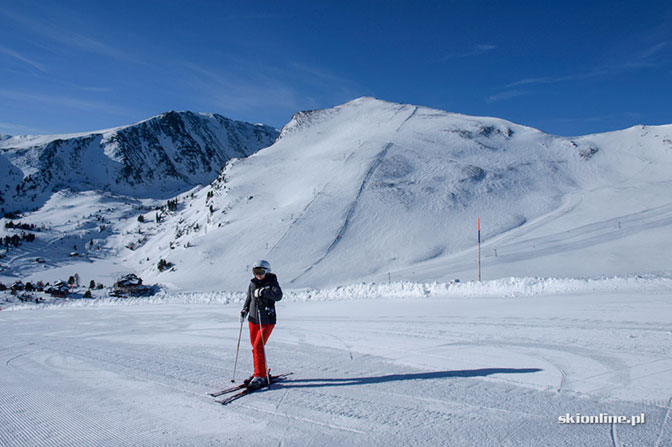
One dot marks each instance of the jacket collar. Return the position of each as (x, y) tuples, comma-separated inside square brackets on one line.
[(268, 278)]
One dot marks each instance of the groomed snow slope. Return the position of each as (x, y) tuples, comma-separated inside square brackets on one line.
[(440, 369)]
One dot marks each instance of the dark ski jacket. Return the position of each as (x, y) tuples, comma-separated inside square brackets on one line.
[(270, 294)]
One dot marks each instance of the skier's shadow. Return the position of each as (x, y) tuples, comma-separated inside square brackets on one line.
[(352, 381)]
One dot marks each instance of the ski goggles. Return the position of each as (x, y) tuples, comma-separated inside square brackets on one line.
[(259, 271)]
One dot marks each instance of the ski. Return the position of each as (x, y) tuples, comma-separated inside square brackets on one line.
[(246, 390), (244, 385), (234, 397), (227, 390)]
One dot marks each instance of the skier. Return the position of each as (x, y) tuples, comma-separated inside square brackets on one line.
[(262, 294)]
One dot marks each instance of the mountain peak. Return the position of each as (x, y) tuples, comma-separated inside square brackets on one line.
[(159, 157)]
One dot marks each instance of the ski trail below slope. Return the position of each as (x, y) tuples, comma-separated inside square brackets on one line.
[(590, 234), (546, 238), (349, 212), (353, 205), (419, 372)]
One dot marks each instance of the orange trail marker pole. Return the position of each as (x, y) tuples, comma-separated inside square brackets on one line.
[(479, 249)]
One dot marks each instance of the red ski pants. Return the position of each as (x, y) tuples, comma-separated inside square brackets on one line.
[(260, 367)]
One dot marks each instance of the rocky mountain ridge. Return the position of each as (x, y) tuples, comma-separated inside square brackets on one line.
[(156, 158)]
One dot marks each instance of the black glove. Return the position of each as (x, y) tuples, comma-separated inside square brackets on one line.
[(243, 315)]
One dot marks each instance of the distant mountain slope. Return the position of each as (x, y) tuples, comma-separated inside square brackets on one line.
[(156, 158), (367, 191), (372, 187)]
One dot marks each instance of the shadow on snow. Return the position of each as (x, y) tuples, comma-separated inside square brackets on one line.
[(315, 383)]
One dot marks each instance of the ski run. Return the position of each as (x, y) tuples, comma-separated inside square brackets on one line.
[(497, 365)]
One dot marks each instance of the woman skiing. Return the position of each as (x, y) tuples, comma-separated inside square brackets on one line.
[(259, 309)]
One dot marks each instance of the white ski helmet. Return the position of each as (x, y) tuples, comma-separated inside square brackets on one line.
[(262, 264)]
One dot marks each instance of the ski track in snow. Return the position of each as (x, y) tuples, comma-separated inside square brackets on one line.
[(353, 205), (373, 166), (665, 426), (464, 375), (516, 245), (301, 215), (588, 235)]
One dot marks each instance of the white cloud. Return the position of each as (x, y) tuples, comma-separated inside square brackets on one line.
[(477, 50), (22, 58), (643, 59), (69, 38), (653, 50), (273, 88), (64, 101), (12, 128), (509, 94)]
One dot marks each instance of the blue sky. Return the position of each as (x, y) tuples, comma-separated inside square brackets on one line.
[(568, 68)]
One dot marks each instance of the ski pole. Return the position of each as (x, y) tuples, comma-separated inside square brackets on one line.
[(263, 345), (240, 334)]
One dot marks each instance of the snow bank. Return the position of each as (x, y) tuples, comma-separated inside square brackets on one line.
[(505, 287)]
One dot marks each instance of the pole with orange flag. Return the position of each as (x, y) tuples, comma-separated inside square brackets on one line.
[(479, 249)]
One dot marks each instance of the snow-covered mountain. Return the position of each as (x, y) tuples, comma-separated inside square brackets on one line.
[(366, 191), (156, 158), (372, 190)]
